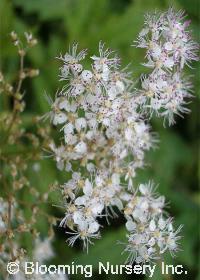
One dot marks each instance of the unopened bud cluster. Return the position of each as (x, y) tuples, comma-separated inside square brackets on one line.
[(20, 150)]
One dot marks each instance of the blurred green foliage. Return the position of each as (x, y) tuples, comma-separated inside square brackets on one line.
[(174, 165)]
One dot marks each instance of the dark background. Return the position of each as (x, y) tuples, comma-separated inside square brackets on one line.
[(174, 166)]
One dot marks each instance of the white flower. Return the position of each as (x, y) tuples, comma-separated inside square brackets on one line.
[(87, 189), (130, 225), (86, 75), (161, 223), (59, 118), (80, 123), (65, 71), (70, 139), (120, 86), (77, 67), (81, 148), (152, 225), (68, 128), (168, 46), (93, 227), (63, 104), (128, 134), (77, 89), (143, 189)]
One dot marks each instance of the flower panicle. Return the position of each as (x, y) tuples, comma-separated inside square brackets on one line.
[(169, 48), (104, 122)]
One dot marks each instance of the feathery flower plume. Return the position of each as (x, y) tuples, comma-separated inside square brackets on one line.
[(106, 133)]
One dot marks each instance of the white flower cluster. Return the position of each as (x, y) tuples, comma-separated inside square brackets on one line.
[(106, 134), (169, 47), (150, 233), (101, 123)]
